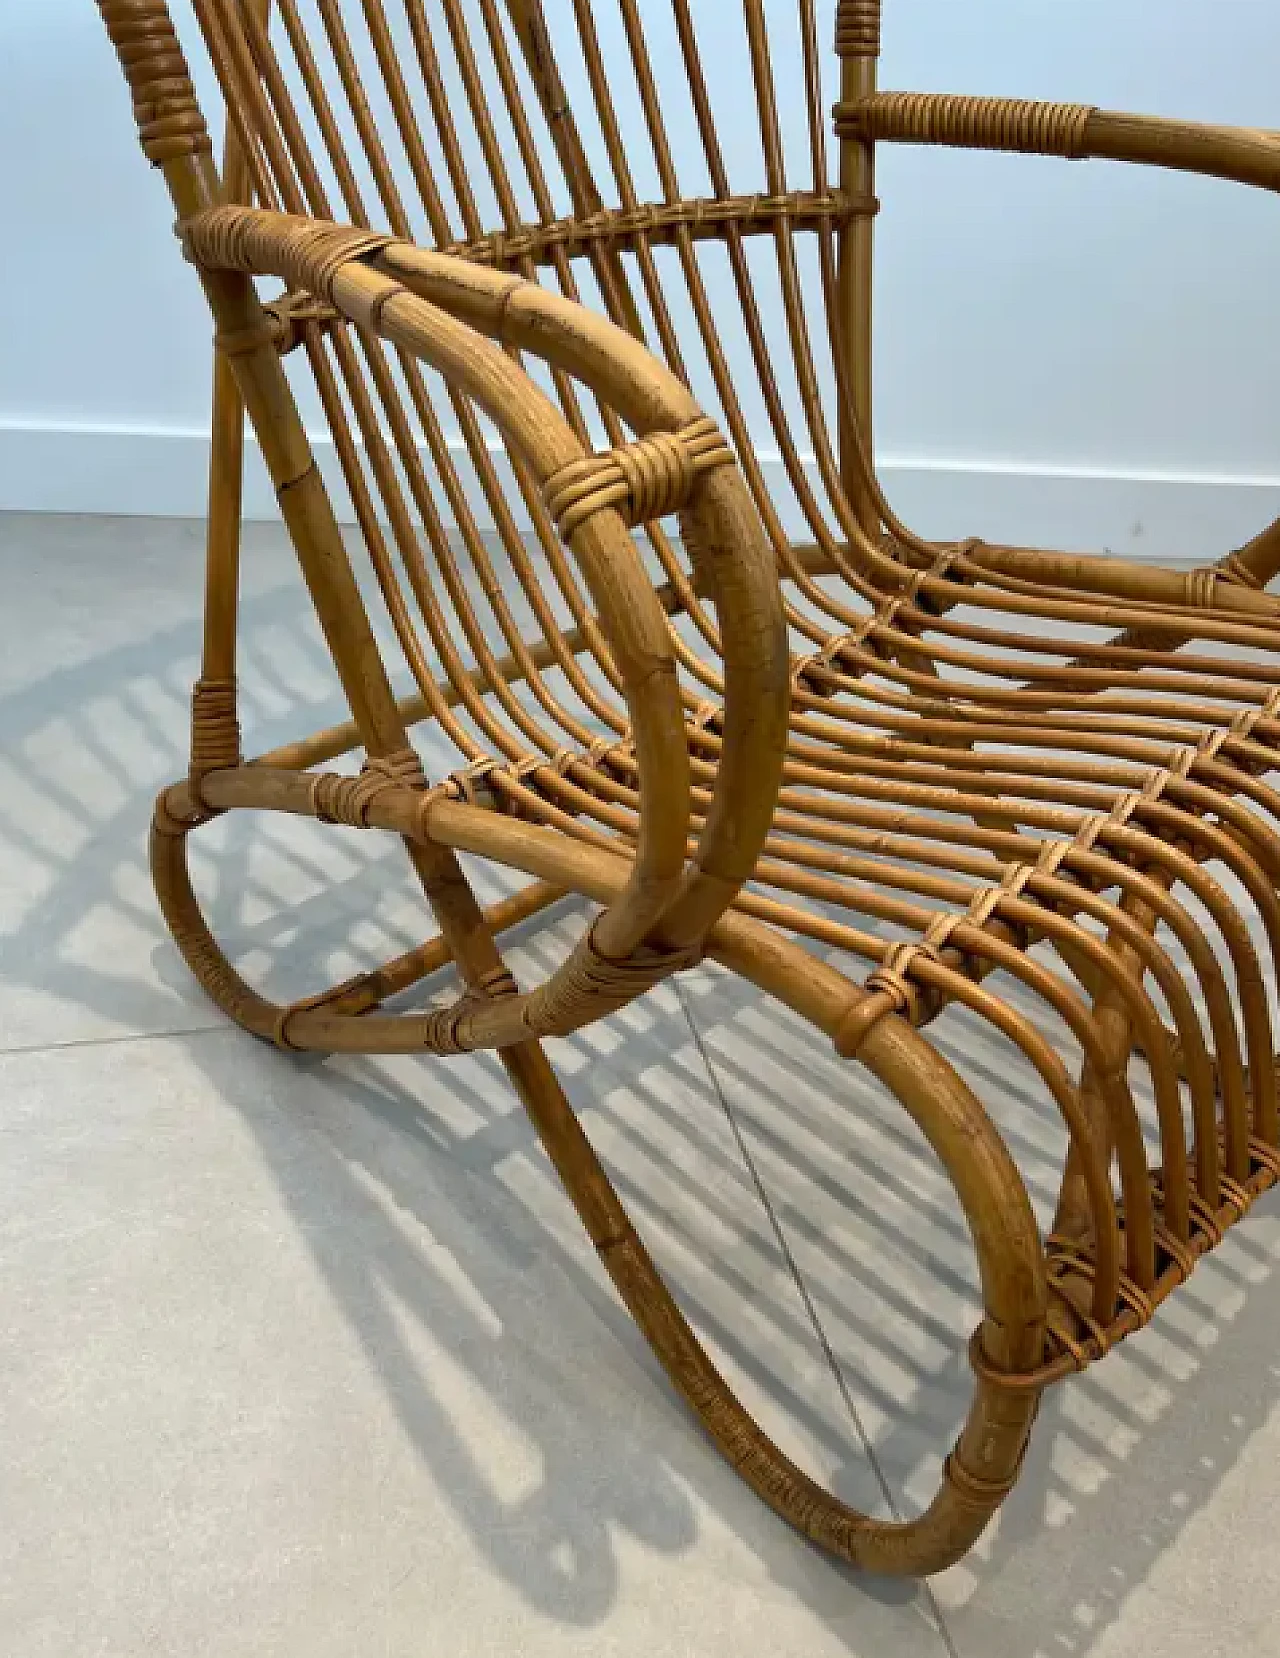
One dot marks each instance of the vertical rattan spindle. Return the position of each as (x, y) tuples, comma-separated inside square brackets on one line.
[(215, 729), (858, 49)]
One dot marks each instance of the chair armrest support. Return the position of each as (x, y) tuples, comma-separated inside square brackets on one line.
[(440, 309), (1074, 131)]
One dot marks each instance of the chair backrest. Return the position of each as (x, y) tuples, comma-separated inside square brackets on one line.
[(667, 164), (670, 164), (424, 121)]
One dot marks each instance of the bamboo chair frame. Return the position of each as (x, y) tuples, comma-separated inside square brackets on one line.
[(983, 749)]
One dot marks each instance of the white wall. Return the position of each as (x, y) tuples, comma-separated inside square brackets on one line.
[(1088, 353)]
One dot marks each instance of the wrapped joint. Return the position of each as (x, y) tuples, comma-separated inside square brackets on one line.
[(305, 253), (858, 29), (591, 986), (875, 1002), (1076, 1340), (215, 730), (889, 990), (281, 325), (815, 670), (290, 314), (164, 100), (472, 783), (968, 123), (339, 799), (650, 478)]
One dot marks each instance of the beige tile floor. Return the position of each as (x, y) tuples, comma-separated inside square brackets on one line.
[(310, 1359)]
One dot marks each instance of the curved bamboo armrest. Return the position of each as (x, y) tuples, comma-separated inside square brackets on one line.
[(1244, 155), (678, 463), (1075, 131)]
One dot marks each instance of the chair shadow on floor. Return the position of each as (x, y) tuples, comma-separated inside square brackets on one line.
[(427, 1207)]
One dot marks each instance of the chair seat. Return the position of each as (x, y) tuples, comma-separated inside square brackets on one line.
[(952, 772)]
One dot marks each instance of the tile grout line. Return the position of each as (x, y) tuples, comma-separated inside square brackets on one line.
[(108, 1041), (780, 1238), (793, 1268)]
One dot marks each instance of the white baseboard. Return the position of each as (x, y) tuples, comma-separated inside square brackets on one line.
[(1162, 516)]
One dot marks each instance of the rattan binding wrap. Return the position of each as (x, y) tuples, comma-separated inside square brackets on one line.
[(663, 224), (164, 101), (651, 478), (857, 28), (970, 123), (309, 255)]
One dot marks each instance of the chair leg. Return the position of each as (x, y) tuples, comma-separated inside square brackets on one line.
[(978, 1475), (986, 1460)]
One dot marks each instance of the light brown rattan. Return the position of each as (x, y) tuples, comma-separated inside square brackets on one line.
[(955, 761)]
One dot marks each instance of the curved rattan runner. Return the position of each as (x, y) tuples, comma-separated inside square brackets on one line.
[(773, 712)]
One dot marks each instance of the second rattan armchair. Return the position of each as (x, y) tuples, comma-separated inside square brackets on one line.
[(970, 765)]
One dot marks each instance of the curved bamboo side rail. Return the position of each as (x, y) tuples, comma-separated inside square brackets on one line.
[(984, 1463), (656, 924)]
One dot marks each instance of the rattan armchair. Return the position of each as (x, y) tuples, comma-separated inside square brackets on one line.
[(731, 739)]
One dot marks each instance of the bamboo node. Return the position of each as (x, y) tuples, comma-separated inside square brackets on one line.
[(974, 1491), (240, 342)]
